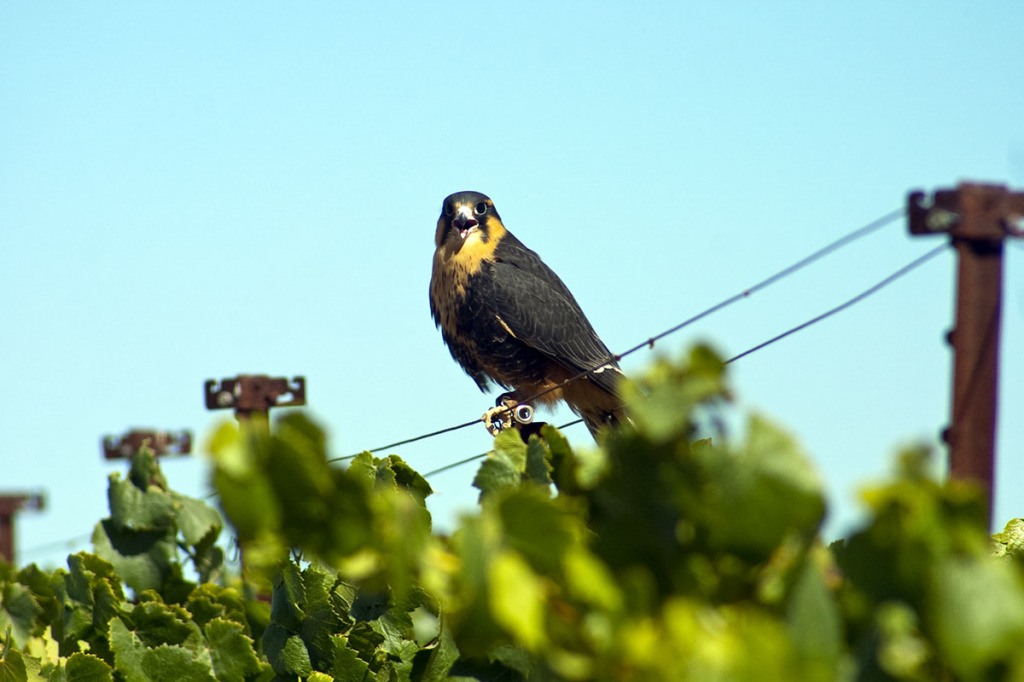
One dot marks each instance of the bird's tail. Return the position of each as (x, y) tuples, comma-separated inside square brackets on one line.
[(597, 419), (600, 404)]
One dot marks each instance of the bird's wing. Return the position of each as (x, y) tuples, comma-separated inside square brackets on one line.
[(537, 308)]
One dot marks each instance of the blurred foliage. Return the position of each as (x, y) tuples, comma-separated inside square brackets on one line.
[(660, 555)]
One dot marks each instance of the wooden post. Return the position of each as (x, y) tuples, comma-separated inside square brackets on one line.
[(977, 219), (9, 506)]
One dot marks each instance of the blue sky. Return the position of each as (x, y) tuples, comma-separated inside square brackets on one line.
[(191, 191)]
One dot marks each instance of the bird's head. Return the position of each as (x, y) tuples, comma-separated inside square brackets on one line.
[(467, 218)]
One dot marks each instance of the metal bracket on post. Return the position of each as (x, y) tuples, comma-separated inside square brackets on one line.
[(254, 393), (162, 443), (977, 218)]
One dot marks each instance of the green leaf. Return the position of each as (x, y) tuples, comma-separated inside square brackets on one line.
[(762, 493), (977, 613), (363, 468), (538, 469), (517, 599), (207, 557), (82, 667), (589, 580), (297, 427), (85, 571), (395, 626), (231, 650), (536, 528), (317, 676), (903, 651), (426, 626), (322, 619), (286, 652), (90, 595), (19, 609), (108, 602), (573, 472), (365, 640), (1010, 542), (302, 481), (135, 509), (914, 524), (246, 494), (408, 478), (295, 658), (347, 666), (38, 583), (509, 444), (203, 607), (139, 537), (272, 645), (662, 403), (442, 656), (504, 467), (195, 519), (155, 623), (730, 642), (813, 617), (495, 474), (174, 664), (145, 560), (324, 510), (288, 597), (513, 658), (145, 470), (128, 651), (12, 666), (209, 601)]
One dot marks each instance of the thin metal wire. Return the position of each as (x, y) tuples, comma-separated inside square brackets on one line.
[(456, 464), (849, 238), (846, 304), (484, 454), (58, 544), (410, 440), (781, 274)]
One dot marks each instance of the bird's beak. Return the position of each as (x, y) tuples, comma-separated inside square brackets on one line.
[(464, 221)]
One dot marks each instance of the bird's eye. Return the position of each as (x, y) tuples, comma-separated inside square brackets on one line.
[(449, 210), (480, 208)]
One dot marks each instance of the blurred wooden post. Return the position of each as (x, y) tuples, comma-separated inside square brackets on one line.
[(251, 396), (977, 218), (9, 506)]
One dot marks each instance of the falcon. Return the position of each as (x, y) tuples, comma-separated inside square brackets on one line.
[(509, 320)]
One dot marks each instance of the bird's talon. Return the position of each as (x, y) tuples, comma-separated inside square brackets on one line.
[(497, 419), (507, 413)]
